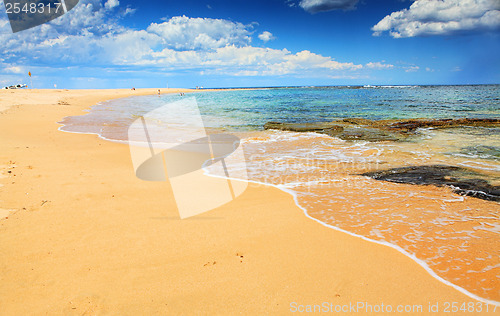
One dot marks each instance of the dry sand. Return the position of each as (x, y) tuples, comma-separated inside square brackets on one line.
[(87, 237)]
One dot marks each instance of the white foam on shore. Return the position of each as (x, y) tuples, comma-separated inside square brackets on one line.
[(91, 133), (384, 243), (479, 165)]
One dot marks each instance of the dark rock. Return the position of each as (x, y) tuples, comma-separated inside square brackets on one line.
[(358, 121), (368, 134), (462, 181), (333, 129), (375, 131), (320, 127), (411, 125)]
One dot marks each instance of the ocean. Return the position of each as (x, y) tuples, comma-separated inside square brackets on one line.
[(454, 234)]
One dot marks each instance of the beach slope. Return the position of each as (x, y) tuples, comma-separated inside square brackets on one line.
[(80, 234)]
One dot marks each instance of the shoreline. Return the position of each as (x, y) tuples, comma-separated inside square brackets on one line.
[(383, 243), (443, 290)]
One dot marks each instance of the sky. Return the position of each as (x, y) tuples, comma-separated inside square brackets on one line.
[(242, 43)]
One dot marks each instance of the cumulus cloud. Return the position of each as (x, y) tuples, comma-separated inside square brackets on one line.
[(441, 17), (248, 60), (111, 4), (378, 65), (91, 34), (184, 33), (315, 6), (412, 68), (14, 69), (266, 36), (129, 11)]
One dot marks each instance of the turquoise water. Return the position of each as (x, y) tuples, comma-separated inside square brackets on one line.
[(251, 109)]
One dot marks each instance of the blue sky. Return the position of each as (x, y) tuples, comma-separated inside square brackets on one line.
[(215, 43)]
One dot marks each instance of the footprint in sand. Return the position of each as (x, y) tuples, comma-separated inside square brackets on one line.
[(85, 305)]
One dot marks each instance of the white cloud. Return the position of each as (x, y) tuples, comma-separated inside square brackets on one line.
[(3, 23), (378, 65), (110, 4), (412, 68), (129, 11), (91, 34), (88, 17), (266, 36), (441, 17), (13, 69), (248, 60), (184, 33), (315, 6)]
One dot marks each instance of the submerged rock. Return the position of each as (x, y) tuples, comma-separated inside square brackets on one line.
[(335, 129), (319, 127), (411, 125), (358, 121), (377, 130), (368, 134), (462, 181), (302, 127)]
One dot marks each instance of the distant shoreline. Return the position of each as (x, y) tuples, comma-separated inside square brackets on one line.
[(274, 87)]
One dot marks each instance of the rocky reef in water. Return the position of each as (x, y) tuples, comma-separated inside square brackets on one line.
[(378, 130), (463, 181)]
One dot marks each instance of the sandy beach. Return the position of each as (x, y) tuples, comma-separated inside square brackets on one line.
[(81, 235)]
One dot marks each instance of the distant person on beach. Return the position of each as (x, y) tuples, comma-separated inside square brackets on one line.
[(158, 92)]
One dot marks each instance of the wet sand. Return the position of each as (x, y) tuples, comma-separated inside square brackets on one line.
[(88, 237), (455, 236)]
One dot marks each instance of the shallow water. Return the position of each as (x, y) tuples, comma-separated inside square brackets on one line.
[(457, 237)]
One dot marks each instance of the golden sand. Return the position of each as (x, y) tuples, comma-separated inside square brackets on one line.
[(88, 238)]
